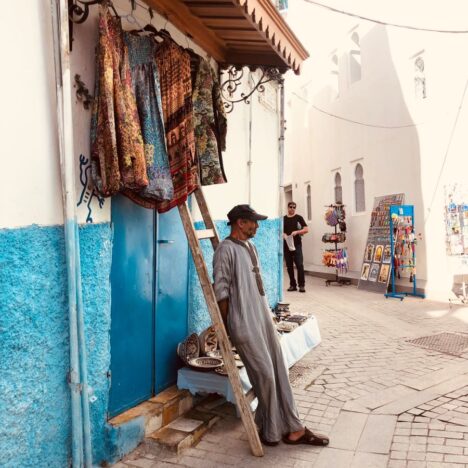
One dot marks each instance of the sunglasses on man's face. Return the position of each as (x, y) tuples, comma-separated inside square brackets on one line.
[(292, 206)]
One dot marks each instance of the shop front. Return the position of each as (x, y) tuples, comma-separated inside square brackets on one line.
[(140, 291)]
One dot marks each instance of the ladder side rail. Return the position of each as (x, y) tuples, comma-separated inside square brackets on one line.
[(206, 216), (226, 350)]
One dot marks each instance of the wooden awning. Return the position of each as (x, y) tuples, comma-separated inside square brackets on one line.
[(236, 32)]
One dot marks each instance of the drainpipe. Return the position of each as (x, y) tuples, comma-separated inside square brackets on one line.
[(78, 388), (282, 129), (250, 162)]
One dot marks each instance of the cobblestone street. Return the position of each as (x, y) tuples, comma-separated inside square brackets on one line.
[(384, 402)]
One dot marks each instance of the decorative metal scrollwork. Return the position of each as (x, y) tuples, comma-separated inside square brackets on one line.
[(78, 10), (235, 75)]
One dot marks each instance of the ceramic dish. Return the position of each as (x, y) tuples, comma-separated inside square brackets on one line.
[(286, 326), (189, 348), (192, 346), (208, 340), (205, 364), (221, 370), (216, 354)]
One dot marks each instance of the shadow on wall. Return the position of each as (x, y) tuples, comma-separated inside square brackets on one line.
[(460, 287), (382, 133)]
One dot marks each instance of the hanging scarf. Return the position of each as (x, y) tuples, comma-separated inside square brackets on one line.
[(173, 64), (210, 124), (117, 152)]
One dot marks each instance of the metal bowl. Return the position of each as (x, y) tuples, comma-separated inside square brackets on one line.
[(205, 364), (189, 348)]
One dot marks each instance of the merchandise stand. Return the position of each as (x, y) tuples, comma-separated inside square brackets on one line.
[(338, 280), (403, 248)]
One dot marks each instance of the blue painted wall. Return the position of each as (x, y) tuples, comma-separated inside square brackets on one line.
[(34, 351), (266, 241)]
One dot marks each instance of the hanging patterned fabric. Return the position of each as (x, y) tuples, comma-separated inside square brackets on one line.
[(210, 124), (117, 153), (176, 95), (145, 79), (173, 64)]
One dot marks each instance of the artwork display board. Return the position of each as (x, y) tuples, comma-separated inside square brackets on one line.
[(403, 248), (377, 261), (456, 219)]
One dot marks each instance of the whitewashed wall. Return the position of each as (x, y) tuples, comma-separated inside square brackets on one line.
[(30, 190), (29, 179), (418, 159)]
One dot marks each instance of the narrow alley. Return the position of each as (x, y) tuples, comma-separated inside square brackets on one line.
[(384, 402)]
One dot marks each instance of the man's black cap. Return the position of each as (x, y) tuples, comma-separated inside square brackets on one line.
[(244, 212)]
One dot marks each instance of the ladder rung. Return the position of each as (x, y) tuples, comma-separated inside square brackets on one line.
[(205, 233)]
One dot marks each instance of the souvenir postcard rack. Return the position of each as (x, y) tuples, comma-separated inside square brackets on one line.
[(336, 257), (403, 243)]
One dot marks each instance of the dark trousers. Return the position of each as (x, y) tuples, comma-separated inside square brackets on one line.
[(295, 258)]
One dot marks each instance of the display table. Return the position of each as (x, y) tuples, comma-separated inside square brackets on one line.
[(295, 345)]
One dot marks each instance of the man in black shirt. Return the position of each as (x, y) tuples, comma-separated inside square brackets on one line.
[(295, 226)]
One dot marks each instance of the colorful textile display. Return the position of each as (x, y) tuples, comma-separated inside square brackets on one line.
[(176, 95), (337, 259), (210, 124), (145, 78), (336, 214), (334, 237), (117, 153)]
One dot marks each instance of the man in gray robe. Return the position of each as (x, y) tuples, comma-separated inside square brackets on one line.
[(241, 297)]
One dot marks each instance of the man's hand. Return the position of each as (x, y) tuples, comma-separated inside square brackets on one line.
[(303, 231)]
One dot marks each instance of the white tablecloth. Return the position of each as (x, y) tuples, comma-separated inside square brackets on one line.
[(295, 345)]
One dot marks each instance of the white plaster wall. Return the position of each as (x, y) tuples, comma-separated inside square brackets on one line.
[(417, 160), (29, 179), (256, 182), (30, 189)]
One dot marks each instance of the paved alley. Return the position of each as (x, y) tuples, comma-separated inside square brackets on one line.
[(385, 402)]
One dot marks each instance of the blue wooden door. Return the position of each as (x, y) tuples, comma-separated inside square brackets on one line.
[(172, 296), (149, 280), (132, 316)]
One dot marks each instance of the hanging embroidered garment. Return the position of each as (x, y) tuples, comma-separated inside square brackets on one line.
[(176, 95), (210, 124), (145, 79), (173, 64), (117, 153)]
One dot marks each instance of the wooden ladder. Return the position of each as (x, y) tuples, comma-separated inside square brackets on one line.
[(194, 236)]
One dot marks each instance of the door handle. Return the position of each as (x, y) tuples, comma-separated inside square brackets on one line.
[(165, 241)]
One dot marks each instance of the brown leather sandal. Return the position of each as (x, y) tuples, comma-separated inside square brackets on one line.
[(309, 438)]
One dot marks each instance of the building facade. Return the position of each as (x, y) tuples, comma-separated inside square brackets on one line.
[(140, 289), (379, 111)]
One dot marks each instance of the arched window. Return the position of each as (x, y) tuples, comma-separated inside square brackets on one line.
[(338, 189), (359, 189), (309, 203)]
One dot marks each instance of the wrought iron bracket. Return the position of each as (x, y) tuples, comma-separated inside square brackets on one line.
[(235, 74), (78, 12)]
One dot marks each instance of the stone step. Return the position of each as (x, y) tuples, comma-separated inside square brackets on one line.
[(184, 432), (157, 412)]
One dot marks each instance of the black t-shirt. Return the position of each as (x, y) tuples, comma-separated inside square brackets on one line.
[(294, 223)]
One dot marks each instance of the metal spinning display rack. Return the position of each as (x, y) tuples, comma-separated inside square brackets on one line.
[(404, 215), (338, 280)]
